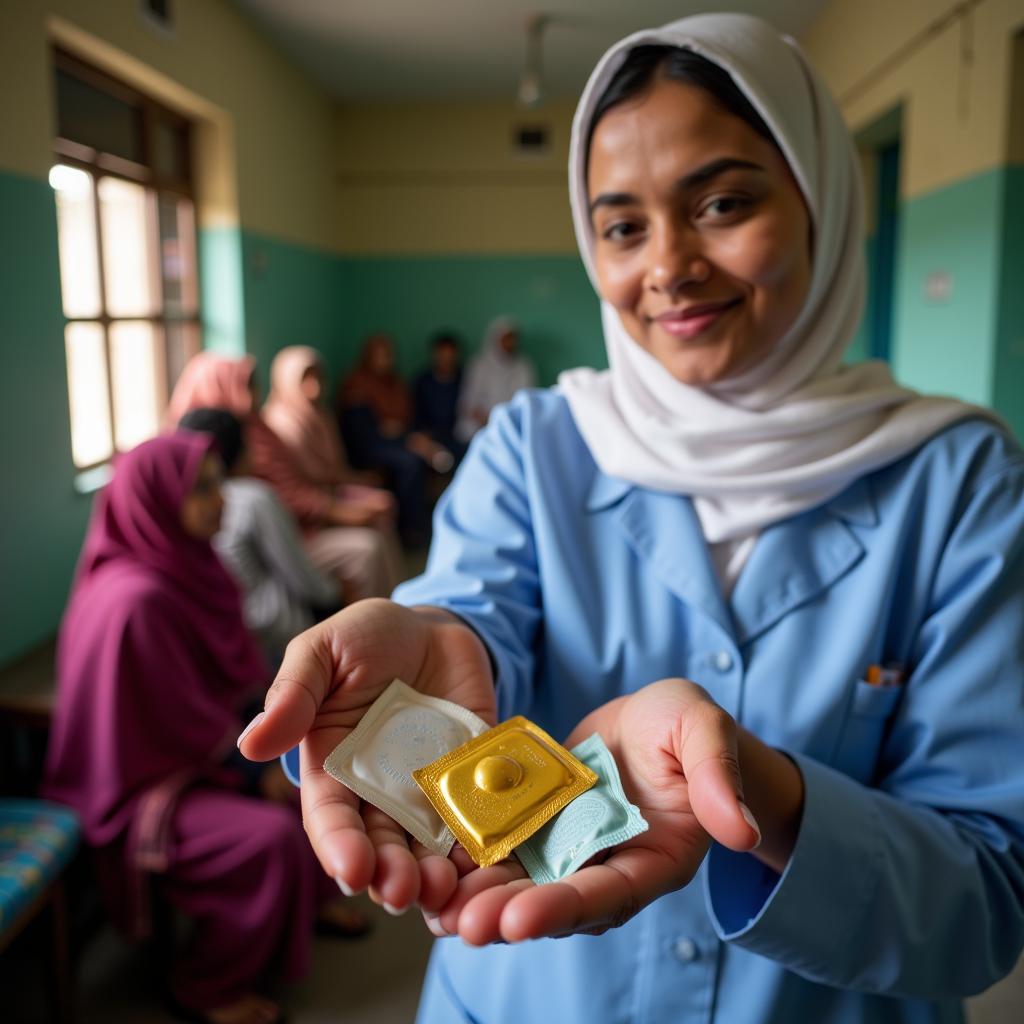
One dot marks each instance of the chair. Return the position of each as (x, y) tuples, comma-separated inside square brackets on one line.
[(37, 842)]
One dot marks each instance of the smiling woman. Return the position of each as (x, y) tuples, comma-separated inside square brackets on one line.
[(703, 237), (706, 555)]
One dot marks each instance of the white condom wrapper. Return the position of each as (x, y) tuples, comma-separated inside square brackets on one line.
[(403, 730)]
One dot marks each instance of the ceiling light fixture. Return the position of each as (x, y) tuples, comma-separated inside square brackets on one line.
[(531, 82)]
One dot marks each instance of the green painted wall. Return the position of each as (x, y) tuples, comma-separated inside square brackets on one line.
[(301, 296), (1009, 376), (260, 294), (412, 297), (860, 348), (43, 518), (948, 346), (221, 289), (293, 296)]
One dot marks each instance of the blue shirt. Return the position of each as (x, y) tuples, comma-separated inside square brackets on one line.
[(905, 891)]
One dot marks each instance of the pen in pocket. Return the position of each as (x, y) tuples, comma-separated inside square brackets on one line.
[(885, 675)]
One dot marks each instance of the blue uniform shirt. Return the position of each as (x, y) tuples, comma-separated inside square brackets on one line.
[(905, 892)]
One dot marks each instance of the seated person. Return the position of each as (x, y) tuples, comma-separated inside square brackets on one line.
[(493, 376), (154, 669), (375, 411), (347, 528), (436, 394), (260, 544)]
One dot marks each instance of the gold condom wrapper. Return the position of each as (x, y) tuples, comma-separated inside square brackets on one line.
[(497, 789)]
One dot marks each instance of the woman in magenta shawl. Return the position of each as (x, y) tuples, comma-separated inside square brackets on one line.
[(154, 664)]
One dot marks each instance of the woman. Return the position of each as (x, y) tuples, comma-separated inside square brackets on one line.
[(375, 411), (835, 560), (348, 530), (154, 665), (494, 375), (259, 542)]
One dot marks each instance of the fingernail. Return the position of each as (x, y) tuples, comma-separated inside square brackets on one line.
[(249, 728), (346, 889), (395, 911), (433, 922), (749, 818)]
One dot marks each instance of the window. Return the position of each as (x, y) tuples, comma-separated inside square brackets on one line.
[(127, 240)]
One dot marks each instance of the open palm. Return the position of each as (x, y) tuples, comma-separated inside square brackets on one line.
[(676, 752), (330, 677)]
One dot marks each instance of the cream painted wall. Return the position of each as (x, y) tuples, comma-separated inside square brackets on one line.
[(269, 127), (956, 117), (444, 178)]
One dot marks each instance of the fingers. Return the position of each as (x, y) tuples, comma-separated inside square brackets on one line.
[(710, 762), (595, 898), (396, 877), (330, 814), (472, 885), (480, 922), (302, 682), (438, 878)]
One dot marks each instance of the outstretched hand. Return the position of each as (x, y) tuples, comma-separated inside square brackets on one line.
[(330, 676), (677, 755)]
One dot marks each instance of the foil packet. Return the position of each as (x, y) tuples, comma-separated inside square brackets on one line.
[(402, 731), (599, 818), (496, 790)]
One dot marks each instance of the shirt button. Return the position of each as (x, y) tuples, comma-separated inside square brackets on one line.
[(685, 950), (723, 661)]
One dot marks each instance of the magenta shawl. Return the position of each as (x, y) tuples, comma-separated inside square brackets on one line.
[(153, 656)]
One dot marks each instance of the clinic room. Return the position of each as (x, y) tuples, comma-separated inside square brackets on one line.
[(513, 512)]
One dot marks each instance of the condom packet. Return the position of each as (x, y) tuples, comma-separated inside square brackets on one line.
[(599, 818), (497, 789), (403, 730)]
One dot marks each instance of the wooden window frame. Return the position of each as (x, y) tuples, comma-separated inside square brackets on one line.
[(100, 165)]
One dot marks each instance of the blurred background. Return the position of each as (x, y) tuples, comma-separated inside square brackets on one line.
[(178, 175)]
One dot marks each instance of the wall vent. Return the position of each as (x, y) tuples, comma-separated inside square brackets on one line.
[(531, 139)]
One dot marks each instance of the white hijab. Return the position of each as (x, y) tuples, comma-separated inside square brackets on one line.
[(797, 428)]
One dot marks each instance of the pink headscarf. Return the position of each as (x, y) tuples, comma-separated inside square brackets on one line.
[(214, 382), (307, 428), (153, 656)]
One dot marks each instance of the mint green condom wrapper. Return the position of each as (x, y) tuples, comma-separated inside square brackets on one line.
[(595, 820)]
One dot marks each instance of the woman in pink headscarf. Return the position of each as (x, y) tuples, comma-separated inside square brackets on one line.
[(154, 666), (348, 529)]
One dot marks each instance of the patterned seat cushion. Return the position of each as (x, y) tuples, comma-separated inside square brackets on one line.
[(37, 840)]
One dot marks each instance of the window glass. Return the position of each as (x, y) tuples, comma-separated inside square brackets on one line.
[(91, 436), (137, 377), (76, 234), (178, 256), (125, 211), (170, 150), (91, 117), (182, 340)]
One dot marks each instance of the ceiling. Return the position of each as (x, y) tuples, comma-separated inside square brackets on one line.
[(470, 49)]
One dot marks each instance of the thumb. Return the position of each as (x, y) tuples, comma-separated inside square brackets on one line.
[(710, 762), (293, 700)]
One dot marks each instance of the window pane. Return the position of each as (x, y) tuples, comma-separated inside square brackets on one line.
[(178, 256), (89, 116), (76, 237), (170, 150), (87, 389), (137, 374), (182, 345), (128, 266)]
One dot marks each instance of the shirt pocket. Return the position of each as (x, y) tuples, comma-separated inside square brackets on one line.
[(869, 712)]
